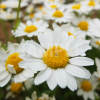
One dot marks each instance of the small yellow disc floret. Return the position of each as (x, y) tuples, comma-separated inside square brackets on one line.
[(31, 15), (83, 25), (86, 86), (56, 57), (53, 6), (16, 87), (14, 59), (58, 14), (77, 6), (91, 3), (98, 43), (30, 29)]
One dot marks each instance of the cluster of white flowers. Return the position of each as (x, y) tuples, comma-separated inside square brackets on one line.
[(53, 46)]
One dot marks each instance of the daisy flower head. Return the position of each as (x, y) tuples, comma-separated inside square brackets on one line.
[(91, 5), (58, 58), (30, 16), (83, 23), (94, 27), (30, 8), (60, 1), (9, 65), (70, 30), (97, 74), (95, 42), (43, 97), (37, 1), (31, 28), (77, 7), (16, 88), (86, 88), (14, 3), (61, 15)]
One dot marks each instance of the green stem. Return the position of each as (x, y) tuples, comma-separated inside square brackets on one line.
[(26, 90), (17, 15)]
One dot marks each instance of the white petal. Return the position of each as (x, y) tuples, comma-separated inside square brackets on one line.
[(11, 69), (33, 49), (81, 61), (97, 62), (91, 95), (4, 75), (28, 73), (61, 77), (17, 79), (5, 81), (42, 76), (52, 81), (3, 55), (28, 23), (71, 82), (22, 77), (75, 71), (79, 92)]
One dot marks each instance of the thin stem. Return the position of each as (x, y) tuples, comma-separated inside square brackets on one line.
[(17, 15), (26, 90)]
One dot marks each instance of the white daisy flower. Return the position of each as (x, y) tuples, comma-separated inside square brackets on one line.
[(9, 65), (59, 61), (77, 7), (14, 3), (68, 28), (43, 97), (94, 27), (59, 15), (91, 4), (30, 16), (87, 87), (37, 1), (30, 8), (52, 5), (97, 74), (83, 23), (16, 88), (95, 42), (10, 15), (31, 28), (60, 1)]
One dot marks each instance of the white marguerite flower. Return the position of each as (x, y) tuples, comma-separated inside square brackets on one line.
[(13, 3), (30, 8), (57, 58), (95, 42), (43, 97), (83, 23), (68, 28), (37, 1), (94, 27), (61, 15), (30, 16), (31, 28), (97, 74), (87, 87), (9, 67), (16, 88)]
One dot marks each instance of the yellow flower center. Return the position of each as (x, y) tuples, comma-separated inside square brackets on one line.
[(58, 14), (9, 16), (41, 8), (56, 57), (51, 0), (30, 29), (31, 15), (76, 6), (14, 59), (98, 43), (71, 34), (3, 6), (16, 87), (91, 3), (83, 25), (43, 13), (86, 86), (53, 6)]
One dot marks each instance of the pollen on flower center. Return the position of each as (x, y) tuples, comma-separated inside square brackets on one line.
[(51, 0), (56, 57), (31, 15), (41, 8), (91, 3), (58, 14), (71, 34), (3, 6), (14, 59), (76, 6), (86, 86), (83, 25), (53, 6), (98, 43), (30, 29), (16, 87)]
